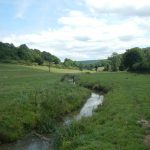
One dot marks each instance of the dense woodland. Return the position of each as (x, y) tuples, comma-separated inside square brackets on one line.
[(9, 54), (134, 59)]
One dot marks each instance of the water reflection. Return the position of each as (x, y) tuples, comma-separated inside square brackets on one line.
[(87, 110), (30, 142), (92, 103)]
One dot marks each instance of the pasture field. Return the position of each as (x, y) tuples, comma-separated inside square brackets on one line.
[(122, 123), (59, 70), (32, 99)]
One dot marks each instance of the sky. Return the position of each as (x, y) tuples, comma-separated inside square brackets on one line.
[(76, 29)]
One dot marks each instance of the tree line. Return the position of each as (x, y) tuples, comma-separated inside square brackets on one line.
[(10, 53), (134, 59)]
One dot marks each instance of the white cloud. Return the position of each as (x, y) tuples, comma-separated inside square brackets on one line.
[(83, 36), (120, 7), (79, 19)]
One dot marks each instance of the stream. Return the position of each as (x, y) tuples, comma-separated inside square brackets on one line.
[(87, 110), (33, 142)]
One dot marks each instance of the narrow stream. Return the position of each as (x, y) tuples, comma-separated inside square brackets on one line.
[(32, 142), (87, 110), (91, 104)]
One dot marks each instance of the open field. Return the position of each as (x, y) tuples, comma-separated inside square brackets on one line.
[(122, 123), (57, 70), (36, 99)]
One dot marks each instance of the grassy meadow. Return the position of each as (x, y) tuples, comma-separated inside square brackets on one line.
[(34, 99), (59, 70), (122, 123)]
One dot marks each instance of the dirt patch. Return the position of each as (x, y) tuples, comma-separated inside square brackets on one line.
[(147, 140), (144, 123)]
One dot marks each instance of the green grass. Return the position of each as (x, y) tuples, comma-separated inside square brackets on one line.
[(58, 70), (114, 126), (34, 99)]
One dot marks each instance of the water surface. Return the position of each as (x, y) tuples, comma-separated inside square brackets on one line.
[(88, 108), (30, 142), (91, 104)]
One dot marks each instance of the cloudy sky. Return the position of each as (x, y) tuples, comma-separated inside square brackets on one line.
[(76, 29)]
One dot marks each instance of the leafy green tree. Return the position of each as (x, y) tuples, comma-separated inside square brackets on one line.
[(115, 61), (23, 52), (50, 58), (47, 56), (146, 54), (143, 66), (69, 63), (7, 51), (39, 60), (132, 56), (81, 67), (56, 60)]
